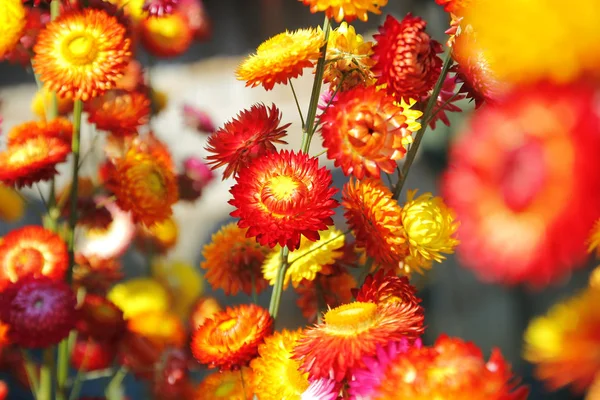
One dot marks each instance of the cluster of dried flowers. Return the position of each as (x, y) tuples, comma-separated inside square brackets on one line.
[(522, 182)]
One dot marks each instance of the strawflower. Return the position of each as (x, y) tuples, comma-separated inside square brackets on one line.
[(387, 288), (308, 260), (158, 8), (12, 23), (254, 133), (12, 205), (158, 238), (32, 251), (333, 348), (205, 308), (96, 274), (40, 312), (100, 318), (198, 119), (81, 55), (163, 328), (276, 374), (233, 261), (517, 187), (281, 58), (118, 112), (347, 10), (283, 196), (58, 128), (559, 343), (32, 161), (92, 355), (365, 131), (226, 385), (230, 339), (183, 282), (406, 58), (139, 295), (321, 389), (166, 35)]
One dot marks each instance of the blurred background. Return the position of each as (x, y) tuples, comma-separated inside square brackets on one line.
[(455, 302)]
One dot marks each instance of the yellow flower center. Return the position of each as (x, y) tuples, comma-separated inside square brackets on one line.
[(283, 186), (155, 183), (80, 48), (282, 194), (227, 325), (24, 155), (225, 389), (168, 27), (25, 261), (350, 319)]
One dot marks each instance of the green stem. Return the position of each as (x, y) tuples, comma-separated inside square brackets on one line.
[(414, 147), (309, 129), (46, 372), (75, 147), (278, 288), (297, 104), (32, 373), (113, 388), (63, 369)]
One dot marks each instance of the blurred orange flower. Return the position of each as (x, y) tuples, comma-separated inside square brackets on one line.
[(166, 35), (118, 112), (347, 10)]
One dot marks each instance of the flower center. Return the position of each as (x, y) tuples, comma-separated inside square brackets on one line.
[(155, 183), (523, 175), (24, 155), (168, 27), (80, 49), (351, 319), (282, 194), (227, 325), (24, 262)]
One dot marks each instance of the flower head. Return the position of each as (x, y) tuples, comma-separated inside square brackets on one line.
[(276, 374), (32, 161), (333, 348), (226, 385), (517, 187), (456, 7), (451, 369), (158, 8), (253, 134), (40, 312), (159, 237), (162, 328), (385, 288), (281, 58), (144, 181), (81, 55), (205, 308), (308, 260), (230, 339), (96, 274), (32, 251), (118, 112), (100, 319), (282, 196), (59, 128), (12, 23), (347, 10), (92, 355), (365, 131), (348, 58), (139, 295), (167, 35), (12, 205), (547, 25), (375, 219), (430, 228), (406, 57), (322, 389), (233, 261), (198, 119), (559, 343), (183, 282)]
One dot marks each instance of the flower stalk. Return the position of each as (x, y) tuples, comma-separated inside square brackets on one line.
[(278, 287)]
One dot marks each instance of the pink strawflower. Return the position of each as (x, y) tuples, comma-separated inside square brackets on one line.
[(198, 119), (158, 8)]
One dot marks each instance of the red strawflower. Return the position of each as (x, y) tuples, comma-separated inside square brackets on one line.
[(406, 57), (92, 355), (139, 354), (230, 338), (525, 186), (32, 251), (100, 319), (252, 134), (41, 312), (282, 196), (96, 274), (365, 132), (444, 102), (59, 128), (118, 112), (383, 288), (32, 161)]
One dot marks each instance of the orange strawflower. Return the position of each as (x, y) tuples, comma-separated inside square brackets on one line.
[(281, 58), (59, 128), (162, 328), (230, 339), (166, 35), (205, 308), (375, 219), (450, 369), (352, 331), (12, 23), (159, 237), (406, 58), (347, 10), (560, 343), (118, 112), (233, 261), (365, 132), (32, 161), (456, 7), (282, 196), (276, 374), (226, 385), (81, 55), (31, 250), (254, 133), (144, 181), (384, 288)]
